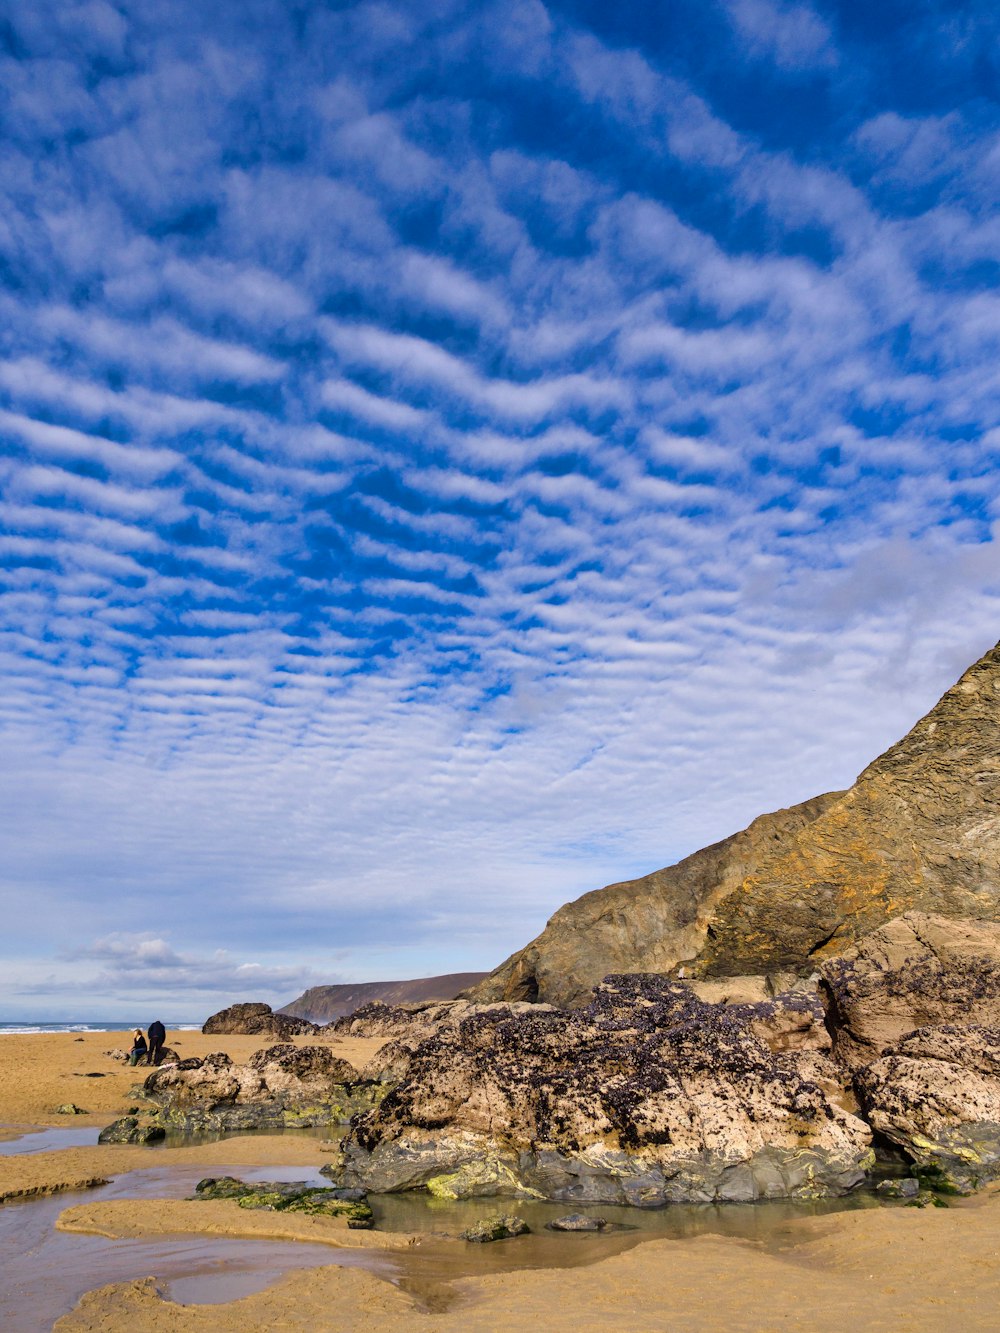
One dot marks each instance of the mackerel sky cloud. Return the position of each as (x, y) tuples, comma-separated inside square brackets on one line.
[(457, 455)]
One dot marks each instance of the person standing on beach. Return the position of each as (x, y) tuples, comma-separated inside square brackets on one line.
[(157, 1036)]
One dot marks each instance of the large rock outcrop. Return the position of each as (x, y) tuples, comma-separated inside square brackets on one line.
[(914, 1010), (920, 829), (936, 1095), (255, 1019), (647, 1096)]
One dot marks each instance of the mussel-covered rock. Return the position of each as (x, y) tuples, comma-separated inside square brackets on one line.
[(282, 1085), (647, 1096), (936, 1093), (917, 971)]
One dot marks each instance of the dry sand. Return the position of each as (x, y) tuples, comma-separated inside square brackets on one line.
[(898, 1269)]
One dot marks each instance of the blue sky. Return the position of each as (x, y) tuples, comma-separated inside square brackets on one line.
[(454, 456)]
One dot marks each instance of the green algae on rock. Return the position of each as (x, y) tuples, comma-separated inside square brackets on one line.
[(128, 1129), (289, 1197), (503, 1226)]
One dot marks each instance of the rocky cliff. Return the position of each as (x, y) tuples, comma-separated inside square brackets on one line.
[(325, 1004), (920, 829)]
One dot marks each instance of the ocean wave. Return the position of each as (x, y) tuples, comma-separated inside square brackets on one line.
[(17, 1029)]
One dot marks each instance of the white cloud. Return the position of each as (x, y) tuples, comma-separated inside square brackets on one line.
[(435, 486), (792, 35)]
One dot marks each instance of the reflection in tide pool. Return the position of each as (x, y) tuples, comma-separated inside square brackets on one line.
[(47, 1271), (420, 1212), (49, 1140)]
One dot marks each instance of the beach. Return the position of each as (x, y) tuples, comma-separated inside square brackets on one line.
[(890, 1268)]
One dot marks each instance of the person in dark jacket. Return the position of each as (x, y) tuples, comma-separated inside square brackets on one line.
[(157, 1035), (138, 1047)]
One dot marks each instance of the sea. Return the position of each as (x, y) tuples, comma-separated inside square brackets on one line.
[(13, 1029)]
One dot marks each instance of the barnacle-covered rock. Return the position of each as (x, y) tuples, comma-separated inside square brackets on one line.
[(282, 1085), (647, 1096), (917, 971), (936, 1094)]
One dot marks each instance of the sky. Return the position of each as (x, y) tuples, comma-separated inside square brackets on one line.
[(454, 456)]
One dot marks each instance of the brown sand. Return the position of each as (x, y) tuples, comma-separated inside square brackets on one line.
[(898, 1269)]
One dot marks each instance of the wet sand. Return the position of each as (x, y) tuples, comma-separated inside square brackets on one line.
[(899, 1269), (903, 1270)]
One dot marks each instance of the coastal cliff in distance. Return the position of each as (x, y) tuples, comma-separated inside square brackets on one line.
[(920, 829), (324, 1004)]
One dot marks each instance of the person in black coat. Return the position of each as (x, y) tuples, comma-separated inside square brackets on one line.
[(157, 1035)]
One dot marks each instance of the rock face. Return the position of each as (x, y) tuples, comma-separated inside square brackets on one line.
[(253, 1020), (917, 971), (915, 1012), (920, 829), (325, 1004), (647, 1096), (281, 1086), (936, 1093)]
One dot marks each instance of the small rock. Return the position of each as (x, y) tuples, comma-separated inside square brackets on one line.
[(907, 1188), (500, 1227), (290, 1197), (577, 1222), (926, 1199), (128, 1130), (70, 1108)]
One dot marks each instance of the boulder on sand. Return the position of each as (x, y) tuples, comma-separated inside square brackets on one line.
[(256, 1019), (281, 1085)]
